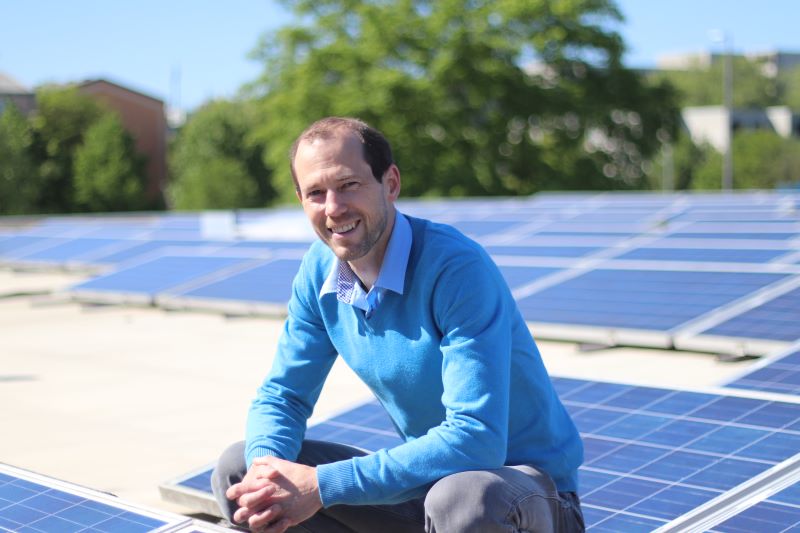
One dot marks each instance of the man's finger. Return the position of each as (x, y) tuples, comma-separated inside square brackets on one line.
[(265, 518), (257, 499), (248, 484)]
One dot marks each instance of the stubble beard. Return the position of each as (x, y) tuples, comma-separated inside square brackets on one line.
[(371, 238)]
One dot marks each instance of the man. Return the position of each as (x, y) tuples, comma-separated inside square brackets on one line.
[(424, 317)]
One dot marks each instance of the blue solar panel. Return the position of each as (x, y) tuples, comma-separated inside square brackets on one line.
[(542, 251), (479, 228), (763, 236), (160, 274), (651, 455), (35, 504), (639, 299), (518, 276), (17, 244), (776, 375), (66, 251), (703, 255), (269, 282), (780, 512), (139, 248), (777, 319)]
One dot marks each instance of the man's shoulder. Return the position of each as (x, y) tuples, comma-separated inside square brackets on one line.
[(441, 240)]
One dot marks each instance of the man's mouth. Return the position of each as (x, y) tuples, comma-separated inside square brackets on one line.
[(344, 228)]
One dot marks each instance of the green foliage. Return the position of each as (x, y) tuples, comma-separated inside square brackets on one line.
[(59, 124), (18, 174), (216, 162), (686, 159), (477, 97), (108, 173), (761, 160), (702, 86), (790, 87)]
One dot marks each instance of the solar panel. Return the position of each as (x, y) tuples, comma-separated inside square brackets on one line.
[(780, 512), (779, 373), (542, 251), (68, 250), (34, 503), (141, 282), (639, 299), (777, 319), (704, 254), (651, 455), (263, 288)]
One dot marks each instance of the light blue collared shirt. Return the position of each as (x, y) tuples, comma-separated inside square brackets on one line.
[(343, 281)]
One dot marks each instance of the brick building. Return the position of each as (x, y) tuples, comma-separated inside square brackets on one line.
[(143, 116)]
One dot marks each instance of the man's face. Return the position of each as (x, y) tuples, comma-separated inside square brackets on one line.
[(348, 208)]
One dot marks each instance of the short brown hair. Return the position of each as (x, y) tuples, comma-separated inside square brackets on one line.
[(376, 149)]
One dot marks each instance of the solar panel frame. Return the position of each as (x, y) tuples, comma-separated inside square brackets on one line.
[(28, 499)]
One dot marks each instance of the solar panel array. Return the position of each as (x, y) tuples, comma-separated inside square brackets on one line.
[(651, 455), (708, 272), (715, 272)]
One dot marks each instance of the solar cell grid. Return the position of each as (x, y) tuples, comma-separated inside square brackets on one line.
[(643, 299), (704, 254), (777, 319), (655, 454), (781, 375), (267, 282), (160, 274), (34, 504), (68, 250)]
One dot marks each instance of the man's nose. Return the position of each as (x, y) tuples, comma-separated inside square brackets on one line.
[(334, 204)]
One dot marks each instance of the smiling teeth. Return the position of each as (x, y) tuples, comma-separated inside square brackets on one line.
[(344, 229)]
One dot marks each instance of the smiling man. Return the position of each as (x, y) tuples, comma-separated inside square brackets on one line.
[(424, 317)]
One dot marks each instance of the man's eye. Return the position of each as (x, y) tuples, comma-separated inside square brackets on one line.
[(313, 194), (349, 185)]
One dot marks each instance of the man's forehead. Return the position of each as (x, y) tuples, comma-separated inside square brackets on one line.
[(340, 146)]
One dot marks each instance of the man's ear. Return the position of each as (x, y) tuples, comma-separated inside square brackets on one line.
[(391, 179)]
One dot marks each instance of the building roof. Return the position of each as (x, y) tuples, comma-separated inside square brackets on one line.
[(88, 83), (9, 85)]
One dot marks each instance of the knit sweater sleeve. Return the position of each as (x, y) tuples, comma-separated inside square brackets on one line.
[(472, 312), (276, 422)]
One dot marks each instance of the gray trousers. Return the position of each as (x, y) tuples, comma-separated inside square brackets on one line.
[(507, 500)]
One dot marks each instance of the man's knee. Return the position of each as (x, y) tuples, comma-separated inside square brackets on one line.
[(230, 469), (466, 501)]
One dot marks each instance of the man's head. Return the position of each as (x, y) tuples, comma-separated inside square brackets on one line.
[(376, 149), (349, 200)]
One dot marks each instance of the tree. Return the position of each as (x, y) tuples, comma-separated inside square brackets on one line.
[(790, 89), (18, 174), (478, 97), (59, 124), (761, 160), (217, 162), (108, 172)]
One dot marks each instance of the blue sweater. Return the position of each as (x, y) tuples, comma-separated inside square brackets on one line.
[(451, 360)]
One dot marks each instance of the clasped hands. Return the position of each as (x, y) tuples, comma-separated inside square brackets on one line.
[(275, 494)]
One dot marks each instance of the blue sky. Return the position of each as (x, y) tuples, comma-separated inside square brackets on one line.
[(149, 44)]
